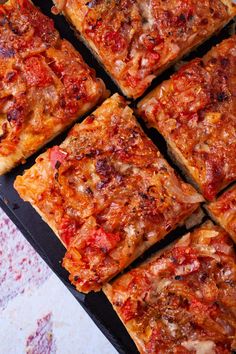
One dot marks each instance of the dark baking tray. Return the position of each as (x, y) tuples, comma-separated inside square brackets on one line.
[(41, 236)]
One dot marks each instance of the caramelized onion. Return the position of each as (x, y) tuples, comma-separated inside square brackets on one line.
[(172, 185), (223, 248), (207, 251), (184, 241)]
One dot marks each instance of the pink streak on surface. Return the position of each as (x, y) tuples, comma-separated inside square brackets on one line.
[(42, 340), (20, 266)]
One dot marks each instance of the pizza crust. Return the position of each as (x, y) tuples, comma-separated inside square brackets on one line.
[(74, 13), (203, 119), (101, 165), (224, 218), (25, 150), (37, 99), (138, 295)]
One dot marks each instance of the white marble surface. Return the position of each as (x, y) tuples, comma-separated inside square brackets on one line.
[(38, 315)]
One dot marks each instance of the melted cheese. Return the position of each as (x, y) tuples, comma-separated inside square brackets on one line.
[(200, 346)]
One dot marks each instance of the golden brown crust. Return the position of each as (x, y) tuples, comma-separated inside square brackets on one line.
[(137, 40), (45, 84), (223, 211), (108, 193), (182, 299), (195, 112)]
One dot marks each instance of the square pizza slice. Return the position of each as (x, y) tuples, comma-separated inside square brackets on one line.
[(107, 193), (135, 40), (45, 84), (183, 299), (223, 211), (195, 111)]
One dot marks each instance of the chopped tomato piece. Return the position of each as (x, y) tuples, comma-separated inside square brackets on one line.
[(152, 40), (132, 81), (139, 282), (57, 156), (43, 26), (128, 310), (75, 91), (2, 10), (156, 339), (198, 307), (227, 205), (104, 240), (185, 259), (153, 57), (114, 40), (58, 68), (214, 178), (182, 255), (68, 230), (36, 72), (24, 3)]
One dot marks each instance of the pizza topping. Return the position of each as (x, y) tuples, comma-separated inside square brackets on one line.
[(11, 76), (189, 313), (16, 112), (114, 40), (57, 156), (103, 240), (224, 211), (173, 186), (42, 25), (136, 39), (44, 82), (68, 229), (130, 310), (15, 116), (196, 106), (36, 73), (88, 255), (186, 260), (200, 347)]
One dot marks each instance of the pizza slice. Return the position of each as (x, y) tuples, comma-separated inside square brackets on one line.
[(45, 84), (107, 193), (183, 299), (195, 111), (135, 40), (223, 211)]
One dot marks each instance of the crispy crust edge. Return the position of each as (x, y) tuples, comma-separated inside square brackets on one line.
[(108, 291), (219, 220), (17, 185)]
